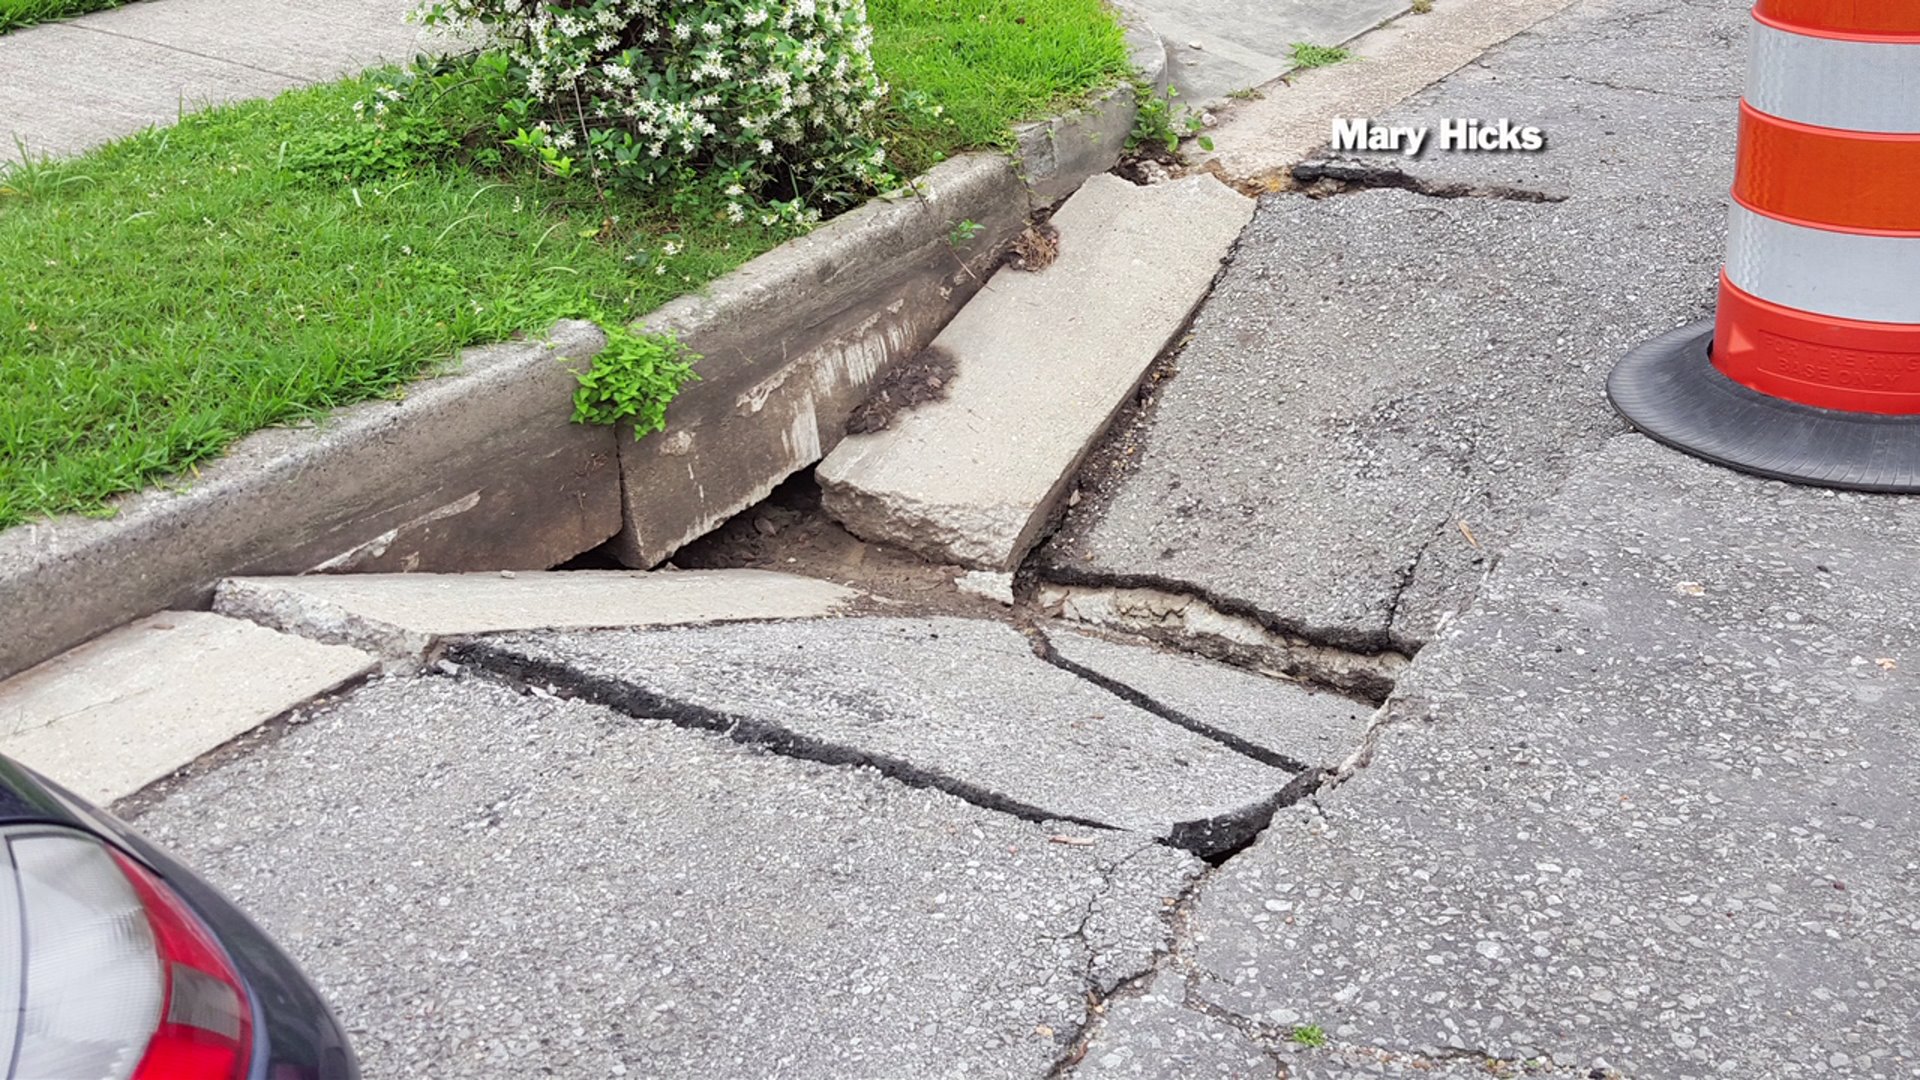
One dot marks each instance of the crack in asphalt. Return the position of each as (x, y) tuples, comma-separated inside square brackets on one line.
[(1372, 655), (640, 703), (1147, 702), (1344, 176), (1213, 838)]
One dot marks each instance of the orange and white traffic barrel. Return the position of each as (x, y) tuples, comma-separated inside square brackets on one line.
[(1810, 370)]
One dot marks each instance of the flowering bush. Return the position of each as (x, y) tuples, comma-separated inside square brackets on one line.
[(769, 101)]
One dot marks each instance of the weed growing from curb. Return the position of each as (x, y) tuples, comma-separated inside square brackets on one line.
[(633, 378)]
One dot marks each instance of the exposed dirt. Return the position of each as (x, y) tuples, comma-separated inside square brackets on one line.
[(1036, 248), (926, 378), (790, 532)]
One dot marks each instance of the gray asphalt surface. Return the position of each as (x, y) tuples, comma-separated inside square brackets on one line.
[(1378, 367), (941, 701), (491, 885), (1646, 809)]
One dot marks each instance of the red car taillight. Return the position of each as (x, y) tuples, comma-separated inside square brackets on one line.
[(120, 981)]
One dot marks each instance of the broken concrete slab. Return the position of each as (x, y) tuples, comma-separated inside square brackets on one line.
[(472, 874), (1044, 359), (402, 617), (1643, 808), (961, 705), (1219, 49), (1375, 397), (126, 709), (1277, 721), (791, 343), (1152, 1035)]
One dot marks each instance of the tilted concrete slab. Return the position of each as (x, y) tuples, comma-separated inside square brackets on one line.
[(957, 704), (126, 709), (65, 87), (1648, 807), (1278, 720), (401, 617), (487, 885), (1043, 360), (1219, 47)]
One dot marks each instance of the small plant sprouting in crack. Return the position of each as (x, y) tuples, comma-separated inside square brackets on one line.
[(964, 233), (1158, 127), (1306, 55), (634, 378), (1311, 1036)]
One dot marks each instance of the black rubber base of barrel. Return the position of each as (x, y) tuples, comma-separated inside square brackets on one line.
[(1670, 390)]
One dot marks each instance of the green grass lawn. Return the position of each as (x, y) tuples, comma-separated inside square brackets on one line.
[(176, 290), (17, 13), (991, 63)]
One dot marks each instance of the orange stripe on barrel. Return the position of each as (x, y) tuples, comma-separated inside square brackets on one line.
[(1815, 359), (1827, 178), (1880, 19)]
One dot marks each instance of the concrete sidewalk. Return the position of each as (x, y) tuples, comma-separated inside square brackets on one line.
[(68, 86)]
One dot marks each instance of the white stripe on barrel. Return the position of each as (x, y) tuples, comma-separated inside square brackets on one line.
[(1834, 82), (1839, 274)]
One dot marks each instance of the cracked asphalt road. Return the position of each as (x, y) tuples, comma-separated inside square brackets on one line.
[(1641, 805)]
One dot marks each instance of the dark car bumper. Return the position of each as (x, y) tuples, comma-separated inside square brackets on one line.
[(295, 1034)]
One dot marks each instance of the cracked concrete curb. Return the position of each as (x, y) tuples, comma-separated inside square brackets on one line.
[(403, 618), (482, 469), (791, 342), (476, 469)]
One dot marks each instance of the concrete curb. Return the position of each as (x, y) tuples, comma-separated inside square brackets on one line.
[(483, 470), (476, 469)]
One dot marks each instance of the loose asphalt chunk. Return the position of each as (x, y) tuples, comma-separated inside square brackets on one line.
[(1278, 721), (1041, 362), (960, 705), (1648, 807), (488, 885), (401, 617), (133, 705)]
